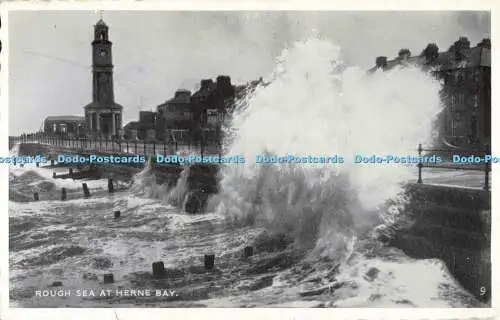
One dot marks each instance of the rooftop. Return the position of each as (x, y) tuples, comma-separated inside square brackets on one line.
[(65, 118), (181, 96), (101, 23), (207, 87), (473, 57), (132, 125)]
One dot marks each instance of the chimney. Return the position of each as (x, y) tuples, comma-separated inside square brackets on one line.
[(381, 62), (485, 43), (182, 92), (205, 84), (224, 80), (404, 54)]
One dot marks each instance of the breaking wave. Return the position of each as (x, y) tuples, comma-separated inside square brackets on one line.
[(312, 105)]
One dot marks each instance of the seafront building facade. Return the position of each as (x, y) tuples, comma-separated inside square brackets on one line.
[(190, 117), (465, 73)]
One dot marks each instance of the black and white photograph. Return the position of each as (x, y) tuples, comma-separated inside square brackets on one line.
[(248, 159)]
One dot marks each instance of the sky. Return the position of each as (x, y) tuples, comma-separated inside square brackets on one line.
[(156, 53)]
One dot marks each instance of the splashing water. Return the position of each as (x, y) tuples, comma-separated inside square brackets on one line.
[(322, 209), (14, 151), (313, 106)]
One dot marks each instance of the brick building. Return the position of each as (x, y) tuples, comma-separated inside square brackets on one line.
[(190, 118), (175, 117), (210, 104), (465, 72)]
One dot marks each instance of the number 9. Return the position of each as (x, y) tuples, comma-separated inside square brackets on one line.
[(482, 290)]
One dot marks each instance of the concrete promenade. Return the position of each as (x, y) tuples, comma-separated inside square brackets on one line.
[(454, 178)]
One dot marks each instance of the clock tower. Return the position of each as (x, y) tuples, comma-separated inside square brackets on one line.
[(103, 115)]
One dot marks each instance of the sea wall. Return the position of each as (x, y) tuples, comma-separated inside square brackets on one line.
[(34, 149), (453, 225), (201, 178)]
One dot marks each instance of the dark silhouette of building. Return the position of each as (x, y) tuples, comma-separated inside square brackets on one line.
[(191, 118), (210, 105), (104, 116), (177, 112), (131, 130), (465, 72), (72, 126), (144, 129)]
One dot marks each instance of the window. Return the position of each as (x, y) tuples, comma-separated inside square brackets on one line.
[(475, 101), (461, 99), (473, 130), (461, 76), (458, 124), (453, 101)]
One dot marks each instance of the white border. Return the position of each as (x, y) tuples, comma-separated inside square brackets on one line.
[(268, 313)]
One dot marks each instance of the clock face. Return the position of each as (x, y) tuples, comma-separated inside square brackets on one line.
[(102, 53)]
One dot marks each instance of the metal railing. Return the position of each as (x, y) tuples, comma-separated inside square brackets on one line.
[(119, 146), (485, 167)]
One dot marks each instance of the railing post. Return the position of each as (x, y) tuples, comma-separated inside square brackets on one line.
[(144, 144), (420, 164), (164, 147), (128, 150), (154, 147), (135, 149), (486, 170)]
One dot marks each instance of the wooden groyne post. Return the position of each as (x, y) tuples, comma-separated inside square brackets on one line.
[(86, 192), (111, 188)]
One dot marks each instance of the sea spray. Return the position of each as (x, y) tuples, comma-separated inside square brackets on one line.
[(313, 106), (144, 183), (177, 195), (14, 151)]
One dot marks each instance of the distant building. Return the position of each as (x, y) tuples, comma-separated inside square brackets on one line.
[(131, 130), (177, 112), (189, 118), (103, 115), (210, 106), (73, 126), (147, 118), (466, 76), (141, 129)]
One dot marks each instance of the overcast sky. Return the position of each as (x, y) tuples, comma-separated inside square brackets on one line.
[(155, 53)]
